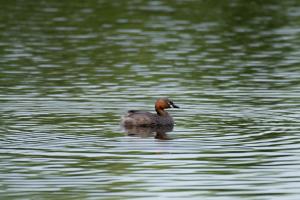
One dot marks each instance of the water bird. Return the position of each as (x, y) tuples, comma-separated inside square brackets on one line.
[(143, 118)]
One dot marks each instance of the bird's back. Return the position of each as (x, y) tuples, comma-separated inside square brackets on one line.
[(143, 118), (139, 118)]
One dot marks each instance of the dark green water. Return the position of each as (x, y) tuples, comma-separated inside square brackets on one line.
[(70, 69)]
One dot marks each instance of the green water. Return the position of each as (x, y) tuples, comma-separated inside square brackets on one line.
[(70, 69)]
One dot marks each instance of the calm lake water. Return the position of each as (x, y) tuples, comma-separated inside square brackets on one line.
[(70, 69)]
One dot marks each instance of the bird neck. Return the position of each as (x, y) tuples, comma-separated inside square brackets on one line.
[(161, 112)]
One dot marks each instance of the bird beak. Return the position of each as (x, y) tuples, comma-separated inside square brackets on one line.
[(173, 105)]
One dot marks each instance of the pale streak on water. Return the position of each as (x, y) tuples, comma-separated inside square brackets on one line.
[(68, 75)]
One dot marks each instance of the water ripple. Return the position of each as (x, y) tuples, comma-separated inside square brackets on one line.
[(69, 71)]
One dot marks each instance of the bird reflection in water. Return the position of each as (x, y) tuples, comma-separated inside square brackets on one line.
[(158, 132)]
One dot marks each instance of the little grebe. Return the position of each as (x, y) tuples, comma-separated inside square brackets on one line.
[(143, 118)]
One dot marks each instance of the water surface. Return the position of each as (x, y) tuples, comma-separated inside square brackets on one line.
[(69, 70)]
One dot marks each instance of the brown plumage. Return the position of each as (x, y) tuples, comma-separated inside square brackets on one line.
[(143, 118)]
